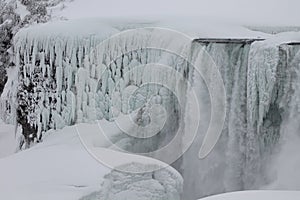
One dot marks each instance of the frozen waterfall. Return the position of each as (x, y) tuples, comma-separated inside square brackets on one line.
[(62, 79)]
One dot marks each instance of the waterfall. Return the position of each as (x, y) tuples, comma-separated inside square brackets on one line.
[(283, 166), (222, 169), (260, 80)]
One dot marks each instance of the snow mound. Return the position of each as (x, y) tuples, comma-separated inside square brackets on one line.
[(157, 185)]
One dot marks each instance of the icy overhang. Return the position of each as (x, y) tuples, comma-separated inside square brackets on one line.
[(226, 40), (293, 43)]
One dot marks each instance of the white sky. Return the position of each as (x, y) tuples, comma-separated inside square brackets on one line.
[(260, 12)]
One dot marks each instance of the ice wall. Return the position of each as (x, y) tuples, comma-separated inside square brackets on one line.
[(72, 78)]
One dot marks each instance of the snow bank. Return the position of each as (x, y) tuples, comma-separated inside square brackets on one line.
[(61, 168)]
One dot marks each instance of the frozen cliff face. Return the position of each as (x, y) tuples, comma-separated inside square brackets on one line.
[(68, 79), (158, 185)]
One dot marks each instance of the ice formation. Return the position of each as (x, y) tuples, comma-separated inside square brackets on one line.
[(68, 79)]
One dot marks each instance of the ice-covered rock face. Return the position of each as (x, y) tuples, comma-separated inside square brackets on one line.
[(158, 185)]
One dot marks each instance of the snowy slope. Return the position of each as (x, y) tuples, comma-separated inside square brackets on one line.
[(61, 168)]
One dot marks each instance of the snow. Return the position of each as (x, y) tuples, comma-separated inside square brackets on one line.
[(21, 10), (283, 38), (61, 168), (257, 195), (58, 168), (255, 12), (69, 28), (100, 140), (191, 26), (194, 26), (157, 185)]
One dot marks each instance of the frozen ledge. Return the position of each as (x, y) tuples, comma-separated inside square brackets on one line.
[(226, 40), (293, 43)]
